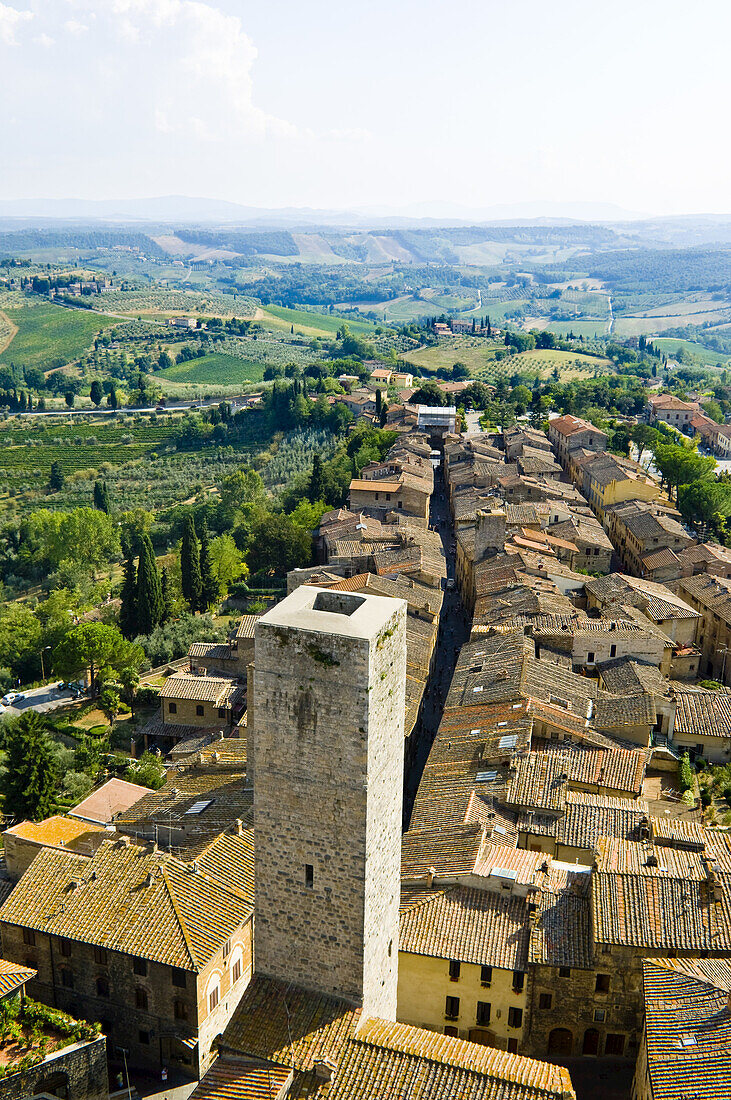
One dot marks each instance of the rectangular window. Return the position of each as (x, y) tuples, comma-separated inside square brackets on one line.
[(178, 978), (212, 999), (221, 712), (64, 947), (451, 1008), (172, 708), (100, 956), (614, 1045), (545, 1000), (600, 1015), (309, 876), (29, 937), (602, 983), (590, 657), (483, 1013), (613, 651), (139, 966), (67, 979), (512, 1046), (515, 1017), (451, 1031), (518, 980), (141, 998), (454, 969), (564, 971), (236, 972), (486, 975), (200, 710), (227, 948), (180, 1009), (144, 1037)]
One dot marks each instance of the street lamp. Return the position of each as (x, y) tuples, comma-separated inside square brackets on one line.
[(43, 671)]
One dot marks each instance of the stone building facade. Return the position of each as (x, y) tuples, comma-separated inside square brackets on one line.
[(78, 1072), (328, 758)]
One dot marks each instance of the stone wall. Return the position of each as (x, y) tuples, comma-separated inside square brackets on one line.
[(328, 755), (80, 1068)]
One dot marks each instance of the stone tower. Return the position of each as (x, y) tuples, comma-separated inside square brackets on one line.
[(328, 750)]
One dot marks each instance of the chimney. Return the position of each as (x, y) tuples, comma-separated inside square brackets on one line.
[(430, 877), (324, 1069)]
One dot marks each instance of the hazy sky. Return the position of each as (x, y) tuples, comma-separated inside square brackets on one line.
[(333, 103)]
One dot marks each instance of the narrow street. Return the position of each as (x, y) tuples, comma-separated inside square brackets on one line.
[(453, 633)]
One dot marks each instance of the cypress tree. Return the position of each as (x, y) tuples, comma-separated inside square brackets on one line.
[(149, 589), (316, 488), (101, 497), (56, 478), (209, 584), (128, 610), (190, 566), (167, 596)]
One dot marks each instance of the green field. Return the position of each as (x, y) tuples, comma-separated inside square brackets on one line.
[(479, 358), (311, 324), (214, 368), (670, 347), (49, 335)]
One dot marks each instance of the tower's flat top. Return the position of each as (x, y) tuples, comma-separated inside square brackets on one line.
[(325, 611)]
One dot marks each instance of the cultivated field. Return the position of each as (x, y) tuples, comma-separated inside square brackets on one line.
[(670, 346), (48, 335), (308, 323), (479, 358), (213, 369)]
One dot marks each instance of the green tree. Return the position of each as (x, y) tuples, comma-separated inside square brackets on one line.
[(109, 703), (167, 595), (149, 589), (244, 486), (128, 609), (30, 779), (98, 649), (644, 438), (190, 565), (56, 478), (209, 581), (148, 771), (227, 561), (96, 392), (102, 500), (278, 545), (316, 487)]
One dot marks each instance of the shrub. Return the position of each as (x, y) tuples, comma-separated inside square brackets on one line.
[(685, 773), (705, 796)]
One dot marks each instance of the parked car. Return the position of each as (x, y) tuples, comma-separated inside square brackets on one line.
[(10, 698)]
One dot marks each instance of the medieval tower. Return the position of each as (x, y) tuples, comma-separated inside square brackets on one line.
[(328, 749)]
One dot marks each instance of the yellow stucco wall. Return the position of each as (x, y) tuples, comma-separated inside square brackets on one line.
[(424, 984)]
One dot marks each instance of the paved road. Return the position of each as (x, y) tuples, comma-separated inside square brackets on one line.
[(41, 699), (453, 633)]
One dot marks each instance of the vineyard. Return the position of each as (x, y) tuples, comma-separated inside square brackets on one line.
[(48, 335), (216, 368), (483, 360)]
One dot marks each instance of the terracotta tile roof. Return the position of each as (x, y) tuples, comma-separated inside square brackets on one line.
[(219, 651), (588, 817), (239, 1079), (654, 599), (688, 1028), (660, 898), (289, 1026), (661, 559), (61, 832), (539, 781), (702, 713), (111, 798), (381, 1057), (625, 676), (562, 934), (570, 425), (219, 690), (450, 850), (13, 976), (473, 926), (710, 592), (130, 899)]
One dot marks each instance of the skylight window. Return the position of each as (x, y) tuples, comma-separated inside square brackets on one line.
[(199, 807)]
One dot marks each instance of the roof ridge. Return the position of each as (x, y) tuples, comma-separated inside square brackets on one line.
[(179, 916)]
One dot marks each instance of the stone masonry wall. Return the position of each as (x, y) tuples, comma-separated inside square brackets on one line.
[(328, 756), (80, 1068)]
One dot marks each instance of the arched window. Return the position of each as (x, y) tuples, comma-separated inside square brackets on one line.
[(236, 963), (55, 1085), (213, 990)]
